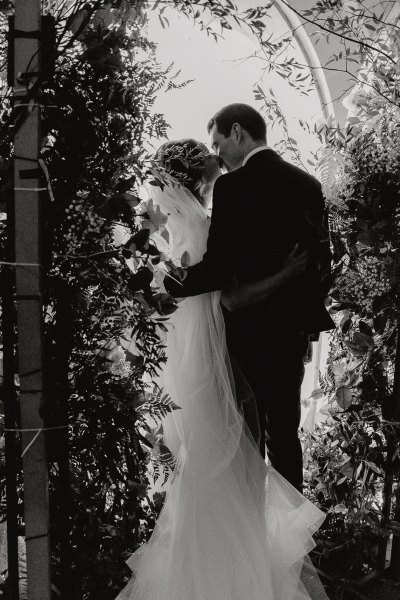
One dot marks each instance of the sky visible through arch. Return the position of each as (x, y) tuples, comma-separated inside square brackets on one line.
[(224, 72)]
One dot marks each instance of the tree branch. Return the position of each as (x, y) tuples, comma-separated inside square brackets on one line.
[(340, 35)]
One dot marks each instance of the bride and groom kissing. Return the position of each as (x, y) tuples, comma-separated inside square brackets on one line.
[(233, 526)]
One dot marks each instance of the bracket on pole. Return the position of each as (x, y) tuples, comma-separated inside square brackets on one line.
[(47, 36)]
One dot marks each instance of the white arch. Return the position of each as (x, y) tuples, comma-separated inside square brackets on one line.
[(306, 47), (308, 50)]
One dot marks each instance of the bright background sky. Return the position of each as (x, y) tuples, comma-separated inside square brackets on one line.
[(223, 73)]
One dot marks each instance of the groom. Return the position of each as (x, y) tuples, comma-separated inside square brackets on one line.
[(262, 207)]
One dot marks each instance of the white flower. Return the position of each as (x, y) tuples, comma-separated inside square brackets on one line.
[(340, 508), (354, 100), (121, 368)]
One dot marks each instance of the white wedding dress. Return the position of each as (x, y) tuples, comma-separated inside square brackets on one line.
[(231, 527)]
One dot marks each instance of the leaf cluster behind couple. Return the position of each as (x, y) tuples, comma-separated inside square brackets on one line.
[(232, 526)]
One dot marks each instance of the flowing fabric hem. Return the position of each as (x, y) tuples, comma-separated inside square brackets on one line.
[(231, 528), (282, 569)]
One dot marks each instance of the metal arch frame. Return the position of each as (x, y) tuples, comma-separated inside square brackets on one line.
[(311, 56)]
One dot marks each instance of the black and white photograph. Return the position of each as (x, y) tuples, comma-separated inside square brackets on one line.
[(199, 300)]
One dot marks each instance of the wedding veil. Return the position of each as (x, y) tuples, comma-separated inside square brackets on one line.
[(231, 527)]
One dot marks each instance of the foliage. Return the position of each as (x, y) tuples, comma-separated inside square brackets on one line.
[(353, 30), (103, 339), (344, 34), (274, 116), (96, 121), (353, 459), (104, 314), (355, 456)]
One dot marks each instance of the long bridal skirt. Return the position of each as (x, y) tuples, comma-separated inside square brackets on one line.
[(231, 528)]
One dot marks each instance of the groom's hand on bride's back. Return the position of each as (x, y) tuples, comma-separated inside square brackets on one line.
[(236, 296), (296, 262)]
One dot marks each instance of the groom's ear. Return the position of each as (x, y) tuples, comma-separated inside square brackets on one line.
[(236, 132)]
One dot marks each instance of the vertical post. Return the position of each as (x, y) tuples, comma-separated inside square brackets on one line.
[(395, 415), (10, 410), (395, 556), (317, 364), (27, 183), (391, 495), (58, 386)]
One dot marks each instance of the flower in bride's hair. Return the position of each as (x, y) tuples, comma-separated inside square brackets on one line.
[(184, 160)]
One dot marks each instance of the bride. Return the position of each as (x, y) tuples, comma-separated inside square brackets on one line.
[(232, 528)]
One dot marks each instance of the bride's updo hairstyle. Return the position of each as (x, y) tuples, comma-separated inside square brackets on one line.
[(184, 161)]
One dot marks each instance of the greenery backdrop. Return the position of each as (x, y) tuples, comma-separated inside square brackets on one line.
[(104, 338)]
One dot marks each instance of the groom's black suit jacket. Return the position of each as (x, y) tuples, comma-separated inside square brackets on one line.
[(260, 212)]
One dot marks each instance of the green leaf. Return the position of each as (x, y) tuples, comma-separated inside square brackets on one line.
[(343, 397), (365, 329), (77, 23), (373, 467), (345, 324), (357, 474), (317, 393), (356, 349), (185, 259), (139, 241), (363, 340), (140, 280), (136, 361)]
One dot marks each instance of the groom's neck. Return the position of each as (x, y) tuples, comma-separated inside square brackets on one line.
[(250, 146), (253, 144)]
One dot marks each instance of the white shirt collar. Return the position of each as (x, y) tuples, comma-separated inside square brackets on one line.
[(250, 154)]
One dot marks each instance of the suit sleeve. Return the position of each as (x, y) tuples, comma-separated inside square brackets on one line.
[(217, 266)]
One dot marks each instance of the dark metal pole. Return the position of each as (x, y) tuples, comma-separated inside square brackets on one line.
[(395, 416), (391, 489), (395, 557), (10, 410), (28, 256), (58, 386)]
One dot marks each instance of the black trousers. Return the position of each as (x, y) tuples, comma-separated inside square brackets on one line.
[(274, 369)]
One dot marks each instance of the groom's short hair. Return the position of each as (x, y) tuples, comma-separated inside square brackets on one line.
[(245, 115)]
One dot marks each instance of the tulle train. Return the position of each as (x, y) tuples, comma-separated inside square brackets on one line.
[(231, 527)]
